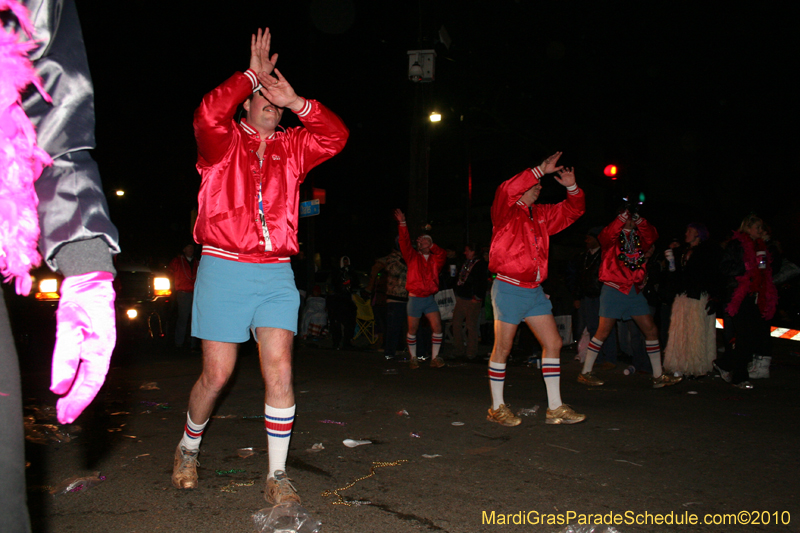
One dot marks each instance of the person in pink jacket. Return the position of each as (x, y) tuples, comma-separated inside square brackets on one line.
[(520, 242), (422, 284), (247, 223), (623, 272)]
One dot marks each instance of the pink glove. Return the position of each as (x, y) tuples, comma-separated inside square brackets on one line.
[(85, 337)]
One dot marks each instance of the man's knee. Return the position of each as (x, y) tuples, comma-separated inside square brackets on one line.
[(553, 345), (214, 379)]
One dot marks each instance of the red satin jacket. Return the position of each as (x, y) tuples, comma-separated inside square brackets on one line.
[(228, 221), (612, 271), (521, 237)]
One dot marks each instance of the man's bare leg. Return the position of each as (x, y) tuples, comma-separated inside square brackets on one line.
[(219, 360), (411, 341), (545, 329), (503, 341), (275, 354), (595, 345), (435, 320)]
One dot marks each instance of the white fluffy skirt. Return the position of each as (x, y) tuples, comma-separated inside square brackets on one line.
[(692, 344)]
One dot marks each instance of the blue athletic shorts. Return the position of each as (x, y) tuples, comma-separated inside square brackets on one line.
[(417, 307), (514, 304), (615, 304), (232, 298)]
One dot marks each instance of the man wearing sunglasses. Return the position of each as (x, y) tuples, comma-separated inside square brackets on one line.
[(247, 223)]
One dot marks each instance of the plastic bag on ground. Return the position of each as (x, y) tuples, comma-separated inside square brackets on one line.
[(285, 518), (589, 528), (77, 484)]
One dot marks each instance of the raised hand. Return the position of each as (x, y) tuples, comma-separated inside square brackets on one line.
[(399, 216), (566, 177), (278, 91), (85, 337), (260, 61), (548, 166)]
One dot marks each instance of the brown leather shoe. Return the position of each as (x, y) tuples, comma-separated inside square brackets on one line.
[(184, 473)]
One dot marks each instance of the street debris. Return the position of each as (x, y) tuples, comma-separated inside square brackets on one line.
[(230, 487), (285, 517), (342, 501), (149, 386), (629, 462), (77, 484), (245, 452), (528, 411), (589, 529), (430, 456), (563, 448), (333, 422), (350, 443), (231, 471)]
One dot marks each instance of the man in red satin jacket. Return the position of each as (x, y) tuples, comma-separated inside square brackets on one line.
[(247, 223)]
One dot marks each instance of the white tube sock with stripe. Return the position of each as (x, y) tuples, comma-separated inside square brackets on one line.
[(192, 434), (436, 344), (278, 423), (411, 340), (654, 353), (551, 372), (497, 380)]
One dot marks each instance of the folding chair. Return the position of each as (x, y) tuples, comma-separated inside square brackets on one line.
[(365, 320)]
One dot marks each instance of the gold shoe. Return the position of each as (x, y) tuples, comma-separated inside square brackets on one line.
[(590, 379), (503, 416), (664, 380), (437, 362), (413, 364), (184, 472), (563, 415), (280, 489)]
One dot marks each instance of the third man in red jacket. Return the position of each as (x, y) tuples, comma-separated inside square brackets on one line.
[(422, 284)]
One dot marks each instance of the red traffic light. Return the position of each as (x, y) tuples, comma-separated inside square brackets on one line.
[(611, 171)]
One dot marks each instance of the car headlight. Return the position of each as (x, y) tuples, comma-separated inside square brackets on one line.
[(48, 289), (161, 286)]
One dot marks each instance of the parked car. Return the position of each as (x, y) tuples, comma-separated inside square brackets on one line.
[(142, 303)]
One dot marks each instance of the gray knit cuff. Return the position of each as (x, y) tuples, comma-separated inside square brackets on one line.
[(80, 257)]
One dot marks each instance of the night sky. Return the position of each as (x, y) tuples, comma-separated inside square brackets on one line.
[(693, 103)]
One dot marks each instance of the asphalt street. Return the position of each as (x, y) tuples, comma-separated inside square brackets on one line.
[(699, 449)]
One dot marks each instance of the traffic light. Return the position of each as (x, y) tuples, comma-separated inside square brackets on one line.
[(611, 171)]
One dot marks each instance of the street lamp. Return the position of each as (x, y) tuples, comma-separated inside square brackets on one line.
[(421, 65), (119, 192), (435, 117)]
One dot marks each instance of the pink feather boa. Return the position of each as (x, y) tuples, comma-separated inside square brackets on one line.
[(754, 280), (21, 161)]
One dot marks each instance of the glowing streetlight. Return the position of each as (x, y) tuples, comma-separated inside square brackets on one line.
[(120, 192), (436, 117)]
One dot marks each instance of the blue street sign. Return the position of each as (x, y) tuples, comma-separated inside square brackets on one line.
[(309, 208)]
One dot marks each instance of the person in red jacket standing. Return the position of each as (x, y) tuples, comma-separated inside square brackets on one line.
[(623, 272), (520, 242), (422, 283), (184, 272), (247, 223)]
